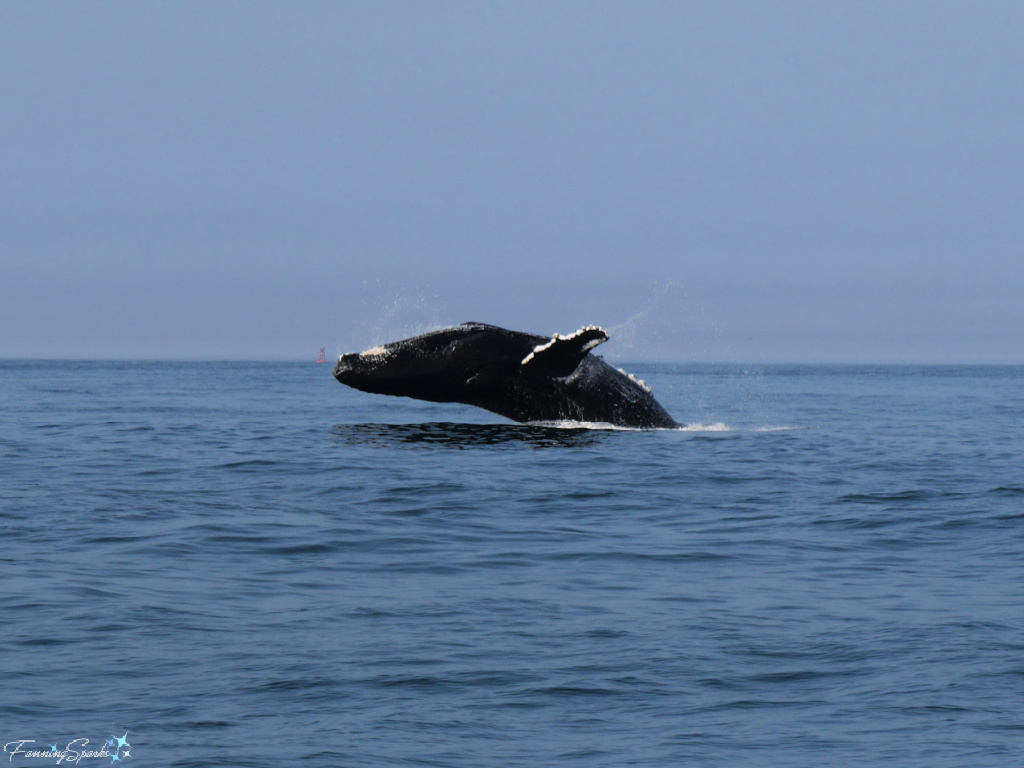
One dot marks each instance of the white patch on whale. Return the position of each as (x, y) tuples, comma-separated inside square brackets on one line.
[(373, 352), (555, 337), (632, 377)]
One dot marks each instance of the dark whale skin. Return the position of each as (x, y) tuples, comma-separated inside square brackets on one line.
[(521, 376)]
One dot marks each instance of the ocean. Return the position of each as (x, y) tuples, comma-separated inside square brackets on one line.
[(248, 564)]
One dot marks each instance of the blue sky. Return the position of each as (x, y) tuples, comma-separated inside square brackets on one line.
[(745, 182)]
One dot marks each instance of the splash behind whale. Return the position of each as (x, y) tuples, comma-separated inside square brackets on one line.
[(517, 375)]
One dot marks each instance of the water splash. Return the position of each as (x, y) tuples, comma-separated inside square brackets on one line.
[(398, 313)]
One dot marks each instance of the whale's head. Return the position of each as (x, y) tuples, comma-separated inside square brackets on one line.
[(442, 366)]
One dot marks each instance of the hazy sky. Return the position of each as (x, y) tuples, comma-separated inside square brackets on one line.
[(758, 181)]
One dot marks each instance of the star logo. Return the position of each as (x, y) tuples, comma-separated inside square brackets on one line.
[(53, 747), (118, 743)]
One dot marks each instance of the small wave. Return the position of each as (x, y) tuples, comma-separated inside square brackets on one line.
[(1009, 490), (249, 464), (716, 426), (447, 434), (526, 428), (913, 494), (570, 424)]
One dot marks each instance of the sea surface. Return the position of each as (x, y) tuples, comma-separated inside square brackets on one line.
[(248, 564)]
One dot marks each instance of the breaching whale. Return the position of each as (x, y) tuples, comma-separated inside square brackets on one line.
[(521, 376)]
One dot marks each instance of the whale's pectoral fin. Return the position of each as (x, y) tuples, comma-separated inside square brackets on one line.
[(562, 355)]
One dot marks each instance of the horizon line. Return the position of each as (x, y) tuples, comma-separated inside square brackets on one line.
[(633, 361)]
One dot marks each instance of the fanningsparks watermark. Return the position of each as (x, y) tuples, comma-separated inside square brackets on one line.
[(116, 748)]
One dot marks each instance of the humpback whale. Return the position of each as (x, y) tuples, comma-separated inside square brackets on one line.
[(521, 376)]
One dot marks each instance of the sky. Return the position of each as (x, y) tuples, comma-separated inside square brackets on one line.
[(741, 182)]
